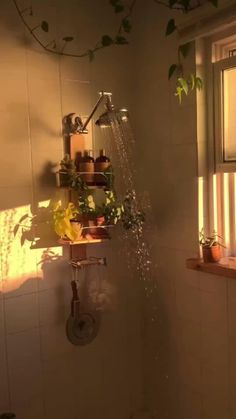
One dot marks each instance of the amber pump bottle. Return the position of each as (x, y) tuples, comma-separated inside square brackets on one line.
[(101, 164), (87, 165)]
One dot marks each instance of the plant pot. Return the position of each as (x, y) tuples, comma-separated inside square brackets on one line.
[(100, 220), (64, 179), (211, 254)]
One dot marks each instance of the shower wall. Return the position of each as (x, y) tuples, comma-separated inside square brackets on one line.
[(41, 374), (190, 345)]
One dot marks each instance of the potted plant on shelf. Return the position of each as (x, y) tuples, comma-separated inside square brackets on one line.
[(111, 209), (211, 247), (66, 222), (66, 171)]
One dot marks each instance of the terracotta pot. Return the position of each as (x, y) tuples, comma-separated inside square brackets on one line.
[(100, 220), (211, 254)]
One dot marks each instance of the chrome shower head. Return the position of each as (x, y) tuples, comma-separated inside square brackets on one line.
[(105, 120)]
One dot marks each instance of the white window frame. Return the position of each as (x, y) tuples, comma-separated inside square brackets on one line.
[(218, 67)]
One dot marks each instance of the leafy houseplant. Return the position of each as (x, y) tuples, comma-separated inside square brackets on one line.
[(211, 246), (111, 210), (67, 169), (65, 221)]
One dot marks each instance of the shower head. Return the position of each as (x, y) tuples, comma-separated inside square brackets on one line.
[(111, 114), (74, 125)]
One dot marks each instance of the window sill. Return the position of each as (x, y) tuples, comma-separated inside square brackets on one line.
[(226, 267)]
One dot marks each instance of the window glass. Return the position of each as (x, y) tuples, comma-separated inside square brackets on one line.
[(229, 114)]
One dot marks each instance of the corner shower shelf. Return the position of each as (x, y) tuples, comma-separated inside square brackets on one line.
[(85, 241), (97, 184), (226, 268)]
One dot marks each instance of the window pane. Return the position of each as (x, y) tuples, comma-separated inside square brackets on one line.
[(229, 102)]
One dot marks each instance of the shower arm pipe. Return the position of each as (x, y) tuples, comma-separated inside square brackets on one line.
[(102, 96)]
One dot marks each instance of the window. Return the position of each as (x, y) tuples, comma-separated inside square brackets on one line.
[(225, 113), (217, 182)]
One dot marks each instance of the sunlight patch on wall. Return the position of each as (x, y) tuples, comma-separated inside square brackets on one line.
[(18, 263)]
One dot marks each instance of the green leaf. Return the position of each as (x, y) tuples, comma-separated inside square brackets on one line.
[(199, 83), (192, 81), (106, 41), (45, 26), (179, 93), (184, 49), (170, 27), (214, 2), (183, 84), (172, 70), (121, 40), (68, 38), (126, 25)]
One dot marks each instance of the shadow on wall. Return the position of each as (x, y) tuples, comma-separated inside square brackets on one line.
[(96, 293)]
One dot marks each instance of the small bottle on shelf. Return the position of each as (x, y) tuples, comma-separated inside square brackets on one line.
[(102, 163), (86, 165)]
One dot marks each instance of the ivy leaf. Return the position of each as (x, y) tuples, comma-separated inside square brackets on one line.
[(192, 81), (183, 84), (91, 55), (45, 26), (68, 38), (172, 70), (121, 40), (198, 83), (106, 41), (184, 49), (126, 25), (214, 2), (178, 93), (170, 27)]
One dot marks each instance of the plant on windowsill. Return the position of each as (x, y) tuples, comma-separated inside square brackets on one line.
[(211, 246)]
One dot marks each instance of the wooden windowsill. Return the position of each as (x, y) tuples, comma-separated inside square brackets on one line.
[(226, 267)]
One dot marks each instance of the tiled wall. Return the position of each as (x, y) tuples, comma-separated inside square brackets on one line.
[(41, 374), (190, 345), (190, 363)]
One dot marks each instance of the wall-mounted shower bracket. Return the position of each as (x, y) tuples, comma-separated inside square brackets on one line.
[(83, 263), (73, 124)]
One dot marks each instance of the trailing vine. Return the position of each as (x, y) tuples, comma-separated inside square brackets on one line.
[(184, 83), (53, 45)]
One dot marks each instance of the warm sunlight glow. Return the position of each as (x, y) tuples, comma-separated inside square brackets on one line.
[(200, 203), (215, 211), (18, 263), (226, 210)]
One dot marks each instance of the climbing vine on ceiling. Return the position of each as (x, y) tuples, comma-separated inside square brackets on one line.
[(184, 83)]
